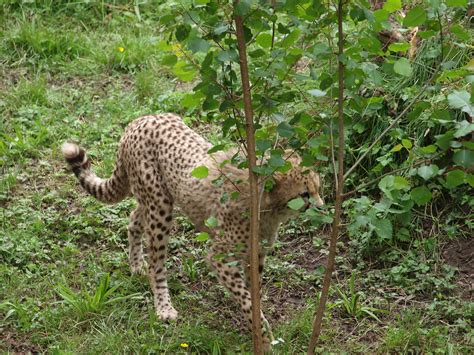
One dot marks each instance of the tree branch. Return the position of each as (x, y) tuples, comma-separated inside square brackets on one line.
[(365, 184), (339, 191), (253, 184)]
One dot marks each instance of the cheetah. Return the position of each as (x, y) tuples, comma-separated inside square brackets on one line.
[(155, 159)]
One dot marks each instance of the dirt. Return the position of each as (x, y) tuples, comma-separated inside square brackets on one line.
[(281, 302), (14, 344), (459, 253)]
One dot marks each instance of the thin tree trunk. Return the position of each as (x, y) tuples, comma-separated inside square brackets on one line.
[(254, 198), (339, 192)]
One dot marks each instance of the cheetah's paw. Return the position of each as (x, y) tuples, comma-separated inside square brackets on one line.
[(139, 268), (167, 314)]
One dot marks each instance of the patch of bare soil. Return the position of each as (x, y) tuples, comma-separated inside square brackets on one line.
[(282, 300), (460, 254), (14, 344)]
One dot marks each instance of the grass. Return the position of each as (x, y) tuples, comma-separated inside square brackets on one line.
[(65, 285)]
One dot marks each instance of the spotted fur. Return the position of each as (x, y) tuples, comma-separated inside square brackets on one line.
[(155, 159)]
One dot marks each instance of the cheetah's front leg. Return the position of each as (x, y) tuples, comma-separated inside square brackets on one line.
[(231, 277)]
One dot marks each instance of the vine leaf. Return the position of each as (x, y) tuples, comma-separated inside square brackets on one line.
[(296, 203), (461, 100), (403, 67), (421, 195), (416, 17)]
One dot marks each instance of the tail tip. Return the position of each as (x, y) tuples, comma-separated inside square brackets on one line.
[(70, 150)]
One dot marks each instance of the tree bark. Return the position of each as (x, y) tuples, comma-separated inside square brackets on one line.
[(339, 191), (254, 196)]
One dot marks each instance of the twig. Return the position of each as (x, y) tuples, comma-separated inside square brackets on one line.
[(339, 191), (333, 157), (253, 184), (363, 185)]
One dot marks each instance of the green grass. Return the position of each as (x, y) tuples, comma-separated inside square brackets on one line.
[(62, 76)]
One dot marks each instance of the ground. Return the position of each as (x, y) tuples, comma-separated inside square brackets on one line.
[(63, 77)]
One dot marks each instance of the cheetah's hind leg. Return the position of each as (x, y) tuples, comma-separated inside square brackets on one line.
[(135, 245)]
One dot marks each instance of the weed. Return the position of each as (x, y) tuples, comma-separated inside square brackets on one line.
[(190, 268), (20, 311), (352, 304), (85, 303)]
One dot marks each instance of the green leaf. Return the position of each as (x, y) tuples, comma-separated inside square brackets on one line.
[(211, 222), (202, 2), (276, 161), (221, 28), (453, 3), (296, 203), (285, 130), (464, 158), (399, 47), (184, 71), (228, 56), (381, 15), (192, 100), (386, 184), (455, 178), (263, 144), (421, 195), (169, 60), (264, 40), (243, 7), (200, 172), (391, 183), (403, 67), (392, 5), (216, 148), (291, 38), (182, 32), (470, 66), (257, 53), (428, 171), (407, 144), (464, 128), (415, 17), (400, 183), (460, 32), (317, 93), (263, 169), (426, 34), (397, 148), (429, 149), (202, 237), (443, 140), (470, 179), (461, 100), (198, 45), (383, 228)]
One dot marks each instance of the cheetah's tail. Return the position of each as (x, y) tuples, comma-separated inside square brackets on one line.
[(111, 190)]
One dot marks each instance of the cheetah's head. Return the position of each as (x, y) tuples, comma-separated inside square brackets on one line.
[(298, 182)]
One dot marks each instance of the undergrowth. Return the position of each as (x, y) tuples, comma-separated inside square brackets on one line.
[(82, 71)]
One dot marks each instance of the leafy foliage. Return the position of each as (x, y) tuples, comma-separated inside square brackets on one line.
[(83, 70), (294, 82)]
